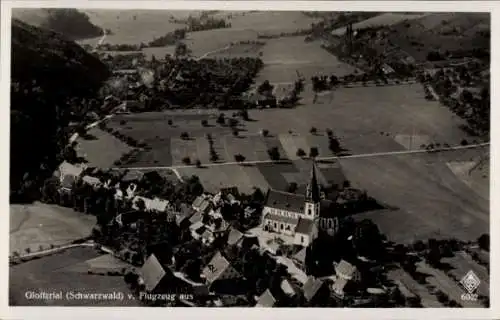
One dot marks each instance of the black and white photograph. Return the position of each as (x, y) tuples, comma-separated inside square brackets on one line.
[(249, 158)]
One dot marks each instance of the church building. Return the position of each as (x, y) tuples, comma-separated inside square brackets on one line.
[(300, 216)]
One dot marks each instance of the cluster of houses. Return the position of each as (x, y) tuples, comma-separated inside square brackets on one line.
[(292, 218)]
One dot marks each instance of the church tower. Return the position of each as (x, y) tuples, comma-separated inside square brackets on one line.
[(313, 196)]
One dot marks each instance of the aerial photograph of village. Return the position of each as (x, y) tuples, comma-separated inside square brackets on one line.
[(268, 159)]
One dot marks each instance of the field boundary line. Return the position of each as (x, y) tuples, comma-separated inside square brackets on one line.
[(363, 155)]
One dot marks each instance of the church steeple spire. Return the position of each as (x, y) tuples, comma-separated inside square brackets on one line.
[(312, 191)]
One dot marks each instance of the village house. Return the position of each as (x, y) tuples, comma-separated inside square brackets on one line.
[(155, 204), (315, 291), (346, 273), (202, 204), (289, 288), (68, 174), (234, 237), (299, 216), (157, 278), (92, 181), (221, 276)]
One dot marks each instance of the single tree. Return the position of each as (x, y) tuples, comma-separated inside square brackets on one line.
[(184, 135), (313, 130), (301, 153), (170, 122), (239, 158), (313, 153), (186, 160), (198, 163), (274, 153), (204, 123), (265, 132)]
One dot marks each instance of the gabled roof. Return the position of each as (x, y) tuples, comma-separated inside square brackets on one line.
[(196, 217), (216, 267), (93, 181), (305, 226), (198, 201), (287, 287), (67, 181), (234, 236), (266, 300), (339, 285), (311, 287), (195, 226), (66, 168), (301, 255), (152, 272), (345, 269), (132, 175)]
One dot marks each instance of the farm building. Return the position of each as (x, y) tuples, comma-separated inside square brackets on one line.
[(297, 215), (266, 300)]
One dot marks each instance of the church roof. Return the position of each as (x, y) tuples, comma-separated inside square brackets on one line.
[(294, 202), (304, 226), (280, 218), (285, 201)]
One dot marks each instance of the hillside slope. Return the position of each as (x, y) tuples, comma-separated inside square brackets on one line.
[(49, 76), (71, 23)]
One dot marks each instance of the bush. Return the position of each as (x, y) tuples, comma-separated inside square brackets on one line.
[(235, 132), (265, 132), (464, 142), (329, 132), (198, 163), (484, 242), (301, 153), (186, 160), (239, 158), (184, 135), (313, 130), (170, 122), (123, 122), (204, 123)]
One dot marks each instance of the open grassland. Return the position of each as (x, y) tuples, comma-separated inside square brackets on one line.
[(283, 57), (384, 19), (100, 148), (133, 26), (53, 273), (442, 32), (270, 22), (238, 50), (428, 198), (475, 172), (35, 225)]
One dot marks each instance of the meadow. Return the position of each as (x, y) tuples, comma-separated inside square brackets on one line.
[(38, 224)]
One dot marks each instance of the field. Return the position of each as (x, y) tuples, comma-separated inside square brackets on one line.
[(447, 285), (384, 19), (35, 225), (133, 26), (284, 57), (428, 300), (238, 50), (101, 149), (55, 273), (428, 198)]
